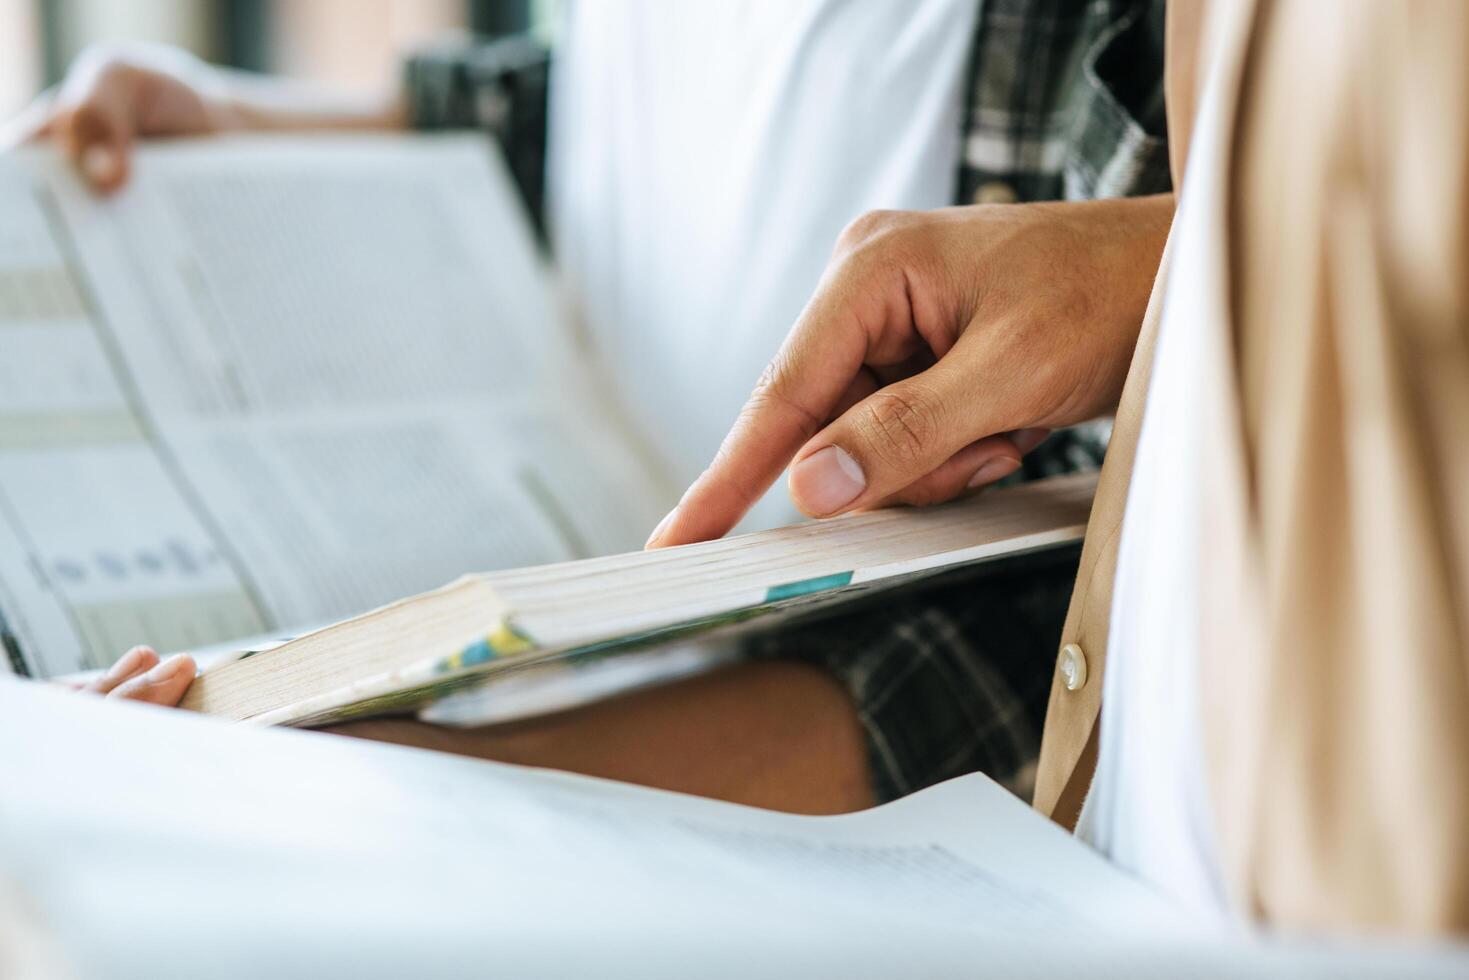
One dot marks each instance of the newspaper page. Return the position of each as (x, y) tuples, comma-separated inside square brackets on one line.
[(268, 852), (276, 383)]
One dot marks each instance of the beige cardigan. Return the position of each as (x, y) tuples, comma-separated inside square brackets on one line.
[(1334, 675)]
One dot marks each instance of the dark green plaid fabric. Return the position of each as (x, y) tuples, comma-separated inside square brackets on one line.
[(1064, 101), (951, 679), (496, 85)]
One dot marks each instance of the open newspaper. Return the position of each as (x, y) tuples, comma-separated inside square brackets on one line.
[(279, 382), (136, 842)]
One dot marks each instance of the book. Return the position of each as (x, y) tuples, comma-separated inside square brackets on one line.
[(282, 382), (146, 843), (417, 650)]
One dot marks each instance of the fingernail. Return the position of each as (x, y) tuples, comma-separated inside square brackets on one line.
[(99, 164), (1027, 439), (662, 525), (827, 480), (995, 469), (167, 670)]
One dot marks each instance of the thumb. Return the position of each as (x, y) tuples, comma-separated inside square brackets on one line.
[(97, 136), (893, 438)]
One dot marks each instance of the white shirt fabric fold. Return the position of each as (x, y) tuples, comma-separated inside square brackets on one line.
[(703, 159)]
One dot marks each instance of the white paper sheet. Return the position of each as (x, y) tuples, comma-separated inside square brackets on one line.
[(154, 843)]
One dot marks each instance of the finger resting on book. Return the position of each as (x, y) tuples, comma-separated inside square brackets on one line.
[(163, 684), (769, 430), (138, 660)]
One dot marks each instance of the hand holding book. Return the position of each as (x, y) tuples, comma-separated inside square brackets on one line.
[(141, 675), (938, 349), (117, 94)]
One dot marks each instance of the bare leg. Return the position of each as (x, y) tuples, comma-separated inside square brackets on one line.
[(783, 736), (772, 734)]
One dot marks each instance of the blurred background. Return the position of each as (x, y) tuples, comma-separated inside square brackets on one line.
[(346, 43)]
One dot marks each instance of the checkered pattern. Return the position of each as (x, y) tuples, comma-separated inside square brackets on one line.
[(1066, 101), (951, 679)]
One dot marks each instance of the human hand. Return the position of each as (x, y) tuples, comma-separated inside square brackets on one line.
[(939, 347), (139, 675), (115, 94)]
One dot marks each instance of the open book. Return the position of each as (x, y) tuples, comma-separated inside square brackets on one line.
[(278, 383), (420, 649)]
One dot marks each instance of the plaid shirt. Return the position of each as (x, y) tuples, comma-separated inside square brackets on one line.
[(1064, 101)]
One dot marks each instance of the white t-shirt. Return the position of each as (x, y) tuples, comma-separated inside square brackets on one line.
[(1148, 809), (703, 159)]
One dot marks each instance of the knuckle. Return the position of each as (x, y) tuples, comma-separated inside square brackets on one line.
[(884, 242), (866, 227), (104, 60), (770, 377), (104, 69), (900, 426), (772, 391), (85, 123), (765, 392)]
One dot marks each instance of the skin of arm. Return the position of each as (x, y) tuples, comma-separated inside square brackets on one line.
[(264, 102)]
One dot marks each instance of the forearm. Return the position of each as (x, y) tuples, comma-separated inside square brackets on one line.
[(1143, 225), (1134, 232), (246, 100)]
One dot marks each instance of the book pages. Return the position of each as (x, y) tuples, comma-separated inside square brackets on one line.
[(482, 627)]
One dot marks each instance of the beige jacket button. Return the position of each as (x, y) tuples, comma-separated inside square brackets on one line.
[(995, 192), (1073, 667)]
